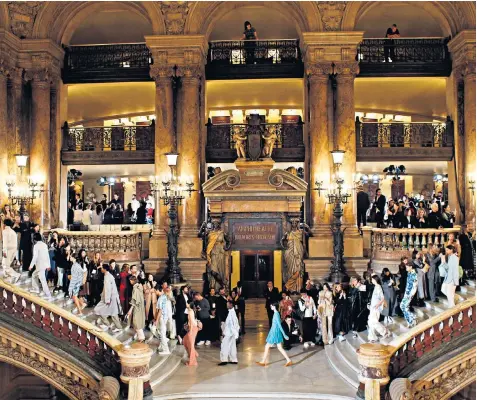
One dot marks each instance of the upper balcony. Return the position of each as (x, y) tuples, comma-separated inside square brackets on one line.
[(402, 141), (289, 145), (125, 62), (404, 57), (108, 145), (246, 59)]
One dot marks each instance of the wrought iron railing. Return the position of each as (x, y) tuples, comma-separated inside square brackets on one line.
[(113, 138), (410, 50), (61, 324), (239, 52), (107, 63), (112, 56), (401, 134), (289, 135)]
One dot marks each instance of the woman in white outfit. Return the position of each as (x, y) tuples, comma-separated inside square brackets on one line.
[(171, 323), (375, 327)]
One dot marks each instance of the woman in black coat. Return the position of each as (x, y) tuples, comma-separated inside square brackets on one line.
[(341, 316)]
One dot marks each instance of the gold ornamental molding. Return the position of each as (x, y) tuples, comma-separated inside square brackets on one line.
[(54, 369), (447, 379)]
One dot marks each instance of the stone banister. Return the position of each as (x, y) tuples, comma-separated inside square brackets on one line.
[(379, 363), (388, 245), (105, 353)]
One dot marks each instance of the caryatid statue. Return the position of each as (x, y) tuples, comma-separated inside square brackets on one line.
[(217, 243), (294, 243), (269, 139), (239, 137)]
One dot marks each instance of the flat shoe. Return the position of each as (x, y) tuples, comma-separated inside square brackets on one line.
[(261, 363), (289, 363)]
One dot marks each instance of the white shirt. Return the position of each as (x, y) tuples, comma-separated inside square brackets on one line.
[(41, 258), (135, 205), (87, 217), (10, 242), (231, 326), (310, 311), (78, 215)]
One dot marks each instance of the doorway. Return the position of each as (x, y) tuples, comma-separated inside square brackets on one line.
[(256, 269)]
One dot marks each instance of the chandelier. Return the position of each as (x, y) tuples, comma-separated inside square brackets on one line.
[(23, 193), (395, 171)]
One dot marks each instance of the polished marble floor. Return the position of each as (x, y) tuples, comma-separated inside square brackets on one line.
[(311, 373)]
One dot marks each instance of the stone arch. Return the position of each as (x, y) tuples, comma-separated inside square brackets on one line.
[(451, 17), (58, 21), (57, 370), (203, 15)]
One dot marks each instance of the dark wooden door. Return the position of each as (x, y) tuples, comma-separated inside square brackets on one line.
[(256, 270), (398, 189)]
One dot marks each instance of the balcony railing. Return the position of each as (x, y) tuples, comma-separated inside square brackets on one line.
[(404, 57), (128, 144), (429, 140), (107, 63), (236, 59), (288, 147)]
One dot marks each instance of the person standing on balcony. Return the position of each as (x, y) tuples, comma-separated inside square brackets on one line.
[(109, 306), (249, 35), (450, 262), (41, 260), (104, 201), (10, 251), (362, 200), (380, 204), (391, 33)]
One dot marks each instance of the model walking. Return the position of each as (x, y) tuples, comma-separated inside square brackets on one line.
[(375, 327), (410, 291), (189, 338), (275, 336)]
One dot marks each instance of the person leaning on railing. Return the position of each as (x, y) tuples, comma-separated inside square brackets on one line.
[(249, 35)]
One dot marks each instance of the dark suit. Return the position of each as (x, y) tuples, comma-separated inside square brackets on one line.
[(362, 200), (241, 307), (181, 317), (271, 296), (434, 220), (420, 225), (380, 203), (291, 337), (221, 308)]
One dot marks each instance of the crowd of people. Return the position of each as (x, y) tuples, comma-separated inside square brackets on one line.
[(82, 214), (406, 212)]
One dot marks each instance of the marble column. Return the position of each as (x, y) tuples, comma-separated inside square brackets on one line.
[(52, 195), (40, 142), (189, 148), (15, 145), (4, 136), (469, 139), (165, 139), (320, 157), (344, 132)]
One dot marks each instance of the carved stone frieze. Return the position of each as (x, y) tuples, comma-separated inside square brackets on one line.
[(175, 15), (346, 70), (331, 14), (190, 71), (22, 17), (60, 376), (319, 70), (160, 71)]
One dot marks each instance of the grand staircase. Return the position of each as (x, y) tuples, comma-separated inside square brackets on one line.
[(161, 366), (343, 356)]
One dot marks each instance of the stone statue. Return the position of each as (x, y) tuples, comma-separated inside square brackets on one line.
[(269, 139), (239, 138), (216, 244), (294, 243), (90, 195)]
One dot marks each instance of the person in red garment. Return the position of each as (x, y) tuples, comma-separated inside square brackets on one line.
[(189, 338)]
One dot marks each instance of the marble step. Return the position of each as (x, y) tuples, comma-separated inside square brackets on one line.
[(163, 368), (341, 366), (252, 396), (347, 353)]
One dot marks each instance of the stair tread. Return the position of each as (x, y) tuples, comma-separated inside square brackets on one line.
[(341, 367)]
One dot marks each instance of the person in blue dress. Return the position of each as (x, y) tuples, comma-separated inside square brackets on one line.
[(275, 337)]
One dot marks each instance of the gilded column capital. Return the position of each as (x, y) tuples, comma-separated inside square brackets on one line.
[(346, 70), (39, 78), (190, 72), (159, 72), (5, 68), (319, 71), (16, 76)]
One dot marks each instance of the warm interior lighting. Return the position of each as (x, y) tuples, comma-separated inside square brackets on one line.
[(292, 111), (338, 156), (21, 160), (172, 159)]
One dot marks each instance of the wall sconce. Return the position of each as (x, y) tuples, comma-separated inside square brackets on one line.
[(338, 157), (441, 178)]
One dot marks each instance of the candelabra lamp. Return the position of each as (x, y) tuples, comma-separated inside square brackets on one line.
[(23, 194), (337, 197), (171, 191)]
